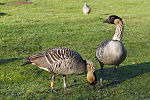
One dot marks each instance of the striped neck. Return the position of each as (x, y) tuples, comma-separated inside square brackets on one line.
[(119, 31)]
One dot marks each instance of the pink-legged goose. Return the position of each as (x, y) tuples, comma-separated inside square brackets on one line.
[(112, 51), (63, 61)]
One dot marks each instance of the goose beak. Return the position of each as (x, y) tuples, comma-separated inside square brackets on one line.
[(106, 21)]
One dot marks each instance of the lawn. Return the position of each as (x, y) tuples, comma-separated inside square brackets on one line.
[(27, 29)]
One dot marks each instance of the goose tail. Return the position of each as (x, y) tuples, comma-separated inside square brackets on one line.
[(27, 62)]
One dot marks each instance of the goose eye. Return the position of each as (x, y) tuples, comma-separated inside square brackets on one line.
[(112, 17)]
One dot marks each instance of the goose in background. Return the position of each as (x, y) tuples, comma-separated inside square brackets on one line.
[(112, 51), (86, 9), (63, 61)]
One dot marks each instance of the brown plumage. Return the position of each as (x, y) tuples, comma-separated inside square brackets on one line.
[(62, 61)]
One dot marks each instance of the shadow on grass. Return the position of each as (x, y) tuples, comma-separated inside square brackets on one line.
[(9, 60), (124, 72), (3, 14), (2, 3)]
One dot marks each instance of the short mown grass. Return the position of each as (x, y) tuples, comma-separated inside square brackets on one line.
[(32, 28)]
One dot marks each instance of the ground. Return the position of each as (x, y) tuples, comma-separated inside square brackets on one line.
[(29, 28)]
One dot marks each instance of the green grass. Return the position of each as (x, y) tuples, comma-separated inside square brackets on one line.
[(32, 28)]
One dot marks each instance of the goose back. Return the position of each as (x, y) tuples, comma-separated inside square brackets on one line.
[(59, 61)]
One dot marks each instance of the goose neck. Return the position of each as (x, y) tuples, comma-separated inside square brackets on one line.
[(119, 31)]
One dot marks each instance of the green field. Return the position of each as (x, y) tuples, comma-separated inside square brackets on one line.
[(28, 29)]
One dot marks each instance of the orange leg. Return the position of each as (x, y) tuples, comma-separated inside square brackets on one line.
[(52, 84)]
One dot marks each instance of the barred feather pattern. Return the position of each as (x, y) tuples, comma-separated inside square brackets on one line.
[(60, 61)]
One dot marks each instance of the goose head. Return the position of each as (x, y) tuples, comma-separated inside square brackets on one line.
[(85, 4), (113, 19), (91, 76)]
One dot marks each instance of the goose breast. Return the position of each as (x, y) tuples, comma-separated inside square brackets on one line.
[(113, 53)]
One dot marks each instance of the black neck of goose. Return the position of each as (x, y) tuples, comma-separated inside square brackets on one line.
[(119, 31)]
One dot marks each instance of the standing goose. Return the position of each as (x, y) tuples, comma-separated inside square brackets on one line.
[(112, 52), (63, 61), (86, 9)]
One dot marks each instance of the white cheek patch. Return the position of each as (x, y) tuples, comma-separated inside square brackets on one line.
[(43, 68)]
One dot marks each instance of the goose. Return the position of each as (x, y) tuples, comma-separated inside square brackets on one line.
[(112, 51), (63, 61), (86, 9)]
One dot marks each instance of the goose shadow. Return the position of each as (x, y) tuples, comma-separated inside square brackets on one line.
[(3, 14), (124, 72), (9, 60)]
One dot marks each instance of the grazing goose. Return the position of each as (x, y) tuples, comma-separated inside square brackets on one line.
[(63, 61), (86, 9), (112, 52)]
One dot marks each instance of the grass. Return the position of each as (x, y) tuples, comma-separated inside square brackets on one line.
[(32, 28)]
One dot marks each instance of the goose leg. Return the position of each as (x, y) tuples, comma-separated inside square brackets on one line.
[(114, 76), (102, 71), (52, 84), (64, 79)]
